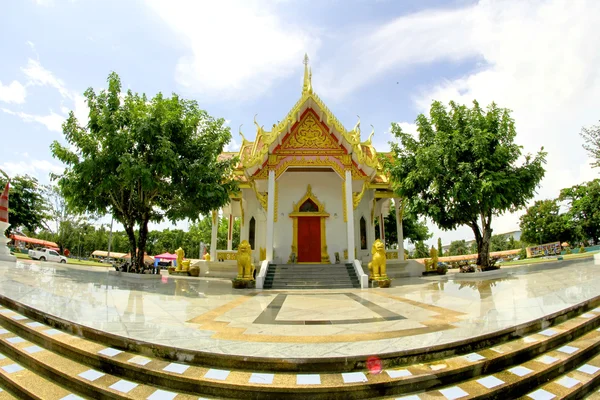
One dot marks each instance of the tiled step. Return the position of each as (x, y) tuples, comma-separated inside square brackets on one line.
[(311, 276), (66, 356), (575, 384), (519, 379), (74, 375), (28, 384)]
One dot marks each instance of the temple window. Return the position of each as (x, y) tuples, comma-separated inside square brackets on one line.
[(363, 233), (252, 233), (309, 206)]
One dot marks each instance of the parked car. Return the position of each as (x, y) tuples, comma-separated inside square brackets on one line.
[(46, 255)]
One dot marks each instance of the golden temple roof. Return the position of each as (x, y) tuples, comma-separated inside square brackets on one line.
[(253, 155)]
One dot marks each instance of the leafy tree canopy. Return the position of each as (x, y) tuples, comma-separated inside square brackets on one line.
[(462, 168), (27, 207), (543, 223), (458, 248), (413, 229), (584, 207), (591, 136), (144, 159)]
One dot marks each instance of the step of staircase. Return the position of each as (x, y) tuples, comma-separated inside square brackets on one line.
[(51, 359), (311, 276)]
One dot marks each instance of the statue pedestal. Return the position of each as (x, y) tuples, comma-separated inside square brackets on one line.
[(243, 284), (4, 251), (381, 283)]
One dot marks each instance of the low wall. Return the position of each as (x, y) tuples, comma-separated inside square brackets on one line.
[(215, 269), (403, 269)]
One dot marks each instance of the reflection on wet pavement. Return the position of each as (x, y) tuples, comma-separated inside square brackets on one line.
[(204, 314)]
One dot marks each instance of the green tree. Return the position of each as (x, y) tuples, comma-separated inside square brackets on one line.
[(143, 159), (584, 207), (440, 251), (27, 207), (421, 250), (458, 248), (591, 137), (65, 223), (413, 229), (462, 169), (498, 243), (543, 223)]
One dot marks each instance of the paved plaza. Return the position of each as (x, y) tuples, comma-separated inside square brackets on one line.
[(207, 315)]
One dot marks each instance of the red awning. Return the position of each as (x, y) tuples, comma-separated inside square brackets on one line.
[(166, 256), (26, 239)]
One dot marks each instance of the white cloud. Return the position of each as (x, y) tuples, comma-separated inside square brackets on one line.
[(538, 59), (13, 93), (236, 49), (40, 76), (52, 121), (36, 168), (45, 3)]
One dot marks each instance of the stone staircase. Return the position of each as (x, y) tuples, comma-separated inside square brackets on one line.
[(45, 357), (311, 276)]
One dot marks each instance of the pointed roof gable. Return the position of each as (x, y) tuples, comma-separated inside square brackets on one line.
[(310, 124)]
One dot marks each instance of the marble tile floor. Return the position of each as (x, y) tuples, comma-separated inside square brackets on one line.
[(209, 315)]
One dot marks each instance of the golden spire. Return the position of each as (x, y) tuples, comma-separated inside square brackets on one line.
[(307, 85)]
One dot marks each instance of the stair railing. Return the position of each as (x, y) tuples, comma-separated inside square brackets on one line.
[(262, 274), (362, 277)]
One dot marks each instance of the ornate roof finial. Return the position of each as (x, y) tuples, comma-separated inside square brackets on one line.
[(241, 134), (307, 85)]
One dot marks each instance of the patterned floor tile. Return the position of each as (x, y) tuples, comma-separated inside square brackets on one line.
[(91, 375), (354, 377), (217, 374), (176, 368), (161, 395), (490, 381), (520, 371), (308, 379), (109, 352), (398, 373), (541, 394), (123, 386), (265, 379), (453, 392)]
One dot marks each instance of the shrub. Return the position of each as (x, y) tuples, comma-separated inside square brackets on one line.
[(568, 250), (523, 253), (582, 249)]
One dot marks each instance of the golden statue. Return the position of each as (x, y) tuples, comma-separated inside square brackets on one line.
[(377, 266), (181, 264), (432, 263), (263, 254), (244, 261)]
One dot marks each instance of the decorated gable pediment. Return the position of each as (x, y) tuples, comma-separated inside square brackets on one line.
[(310, 134)]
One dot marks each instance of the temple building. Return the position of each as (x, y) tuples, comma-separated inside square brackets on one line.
[(310, 190)]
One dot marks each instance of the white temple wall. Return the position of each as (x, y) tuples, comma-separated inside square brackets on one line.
[(327, 188), (364, 210), (252, 208)]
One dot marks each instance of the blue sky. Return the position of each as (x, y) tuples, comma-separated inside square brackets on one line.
[(382, 60)]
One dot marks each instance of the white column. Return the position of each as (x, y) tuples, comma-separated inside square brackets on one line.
[(230, 232), (381, 228), (397, 205), (350, 212), (270, 214), (213, 235)]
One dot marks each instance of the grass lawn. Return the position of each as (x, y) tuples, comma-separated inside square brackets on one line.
[(543, 260), (87, 262), (71, 261), (22, 256)]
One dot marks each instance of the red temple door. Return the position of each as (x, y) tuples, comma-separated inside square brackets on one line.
[(309, 239)]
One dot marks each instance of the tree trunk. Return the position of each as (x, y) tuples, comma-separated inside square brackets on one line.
[(132, 247), (483, 248), (142, 238)]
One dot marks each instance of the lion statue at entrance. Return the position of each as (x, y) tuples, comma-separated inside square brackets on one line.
[(244, 261), (377, 264)]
